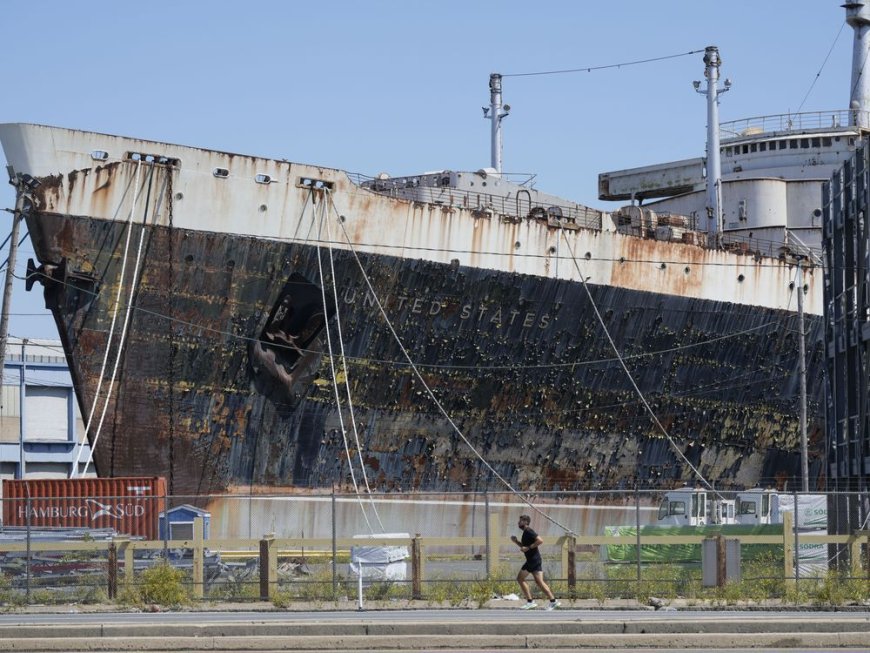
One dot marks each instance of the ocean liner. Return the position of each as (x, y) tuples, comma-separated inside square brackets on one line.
[(233, 321)]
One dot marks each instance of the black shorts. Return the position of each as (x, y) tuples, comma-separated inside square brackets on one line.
[(533, 566)]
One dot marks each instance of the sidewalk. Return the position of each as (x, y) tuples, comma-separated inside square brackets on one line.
[(457, 629)]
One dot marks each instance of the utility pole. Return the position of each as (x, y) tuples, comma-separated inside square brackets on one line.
[(7, 288), (805, 473), (7, 299)]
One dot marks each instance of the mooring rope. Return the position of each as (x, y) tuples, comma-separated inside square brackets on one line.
[(127, 313), (74, 470), (325, 218), (425, 385)]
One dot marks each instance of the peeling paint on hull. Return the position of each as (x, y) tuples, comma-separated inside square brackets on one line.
[(529, 376)]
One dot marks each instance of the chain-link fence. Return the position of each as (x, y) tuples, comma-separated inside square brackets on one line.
[(441, 548)]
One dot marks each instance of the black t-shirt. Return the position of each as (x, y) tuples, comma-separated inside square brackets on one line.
[(528, 538)]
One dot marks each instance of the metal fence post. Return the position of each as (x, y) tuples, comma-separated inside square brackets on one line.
[(165, 528), (334, 547), (27, 557), (488, 551), (797, 549), (787, 546), (493, 528), (637, 530)]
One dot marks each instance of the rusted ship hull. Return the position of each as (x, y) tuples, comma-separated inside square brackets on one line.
[(519, 362), (223, 374)]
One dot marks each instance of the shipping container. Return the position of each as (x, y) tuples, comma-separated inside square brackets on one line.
[(129, 505)]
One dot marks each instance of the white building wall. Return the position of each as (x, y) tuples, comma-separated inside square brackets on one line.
[(51, 426)]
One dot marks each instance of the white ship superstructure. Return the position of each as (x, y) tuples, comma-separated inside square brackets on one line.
[(772, 167)]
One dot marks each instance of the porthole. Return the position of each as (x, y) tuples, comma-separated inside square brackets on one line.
[(221, 173), (740, 278)]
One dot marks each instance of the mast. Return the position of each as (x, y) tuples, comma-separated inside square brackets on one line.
[(858, 18), (714, 166), (494, 113)]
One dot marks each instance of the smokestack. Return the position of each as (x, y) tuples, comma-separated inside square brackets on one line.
[(858, 18)]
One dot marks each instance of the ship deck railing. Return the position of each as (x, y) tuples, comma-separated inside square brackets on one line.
[(574, 216), (833, 120), (791, 249), (512, 207)]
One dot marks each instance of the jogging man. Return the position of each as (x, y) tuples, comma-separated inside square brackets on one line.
[(534, 564)]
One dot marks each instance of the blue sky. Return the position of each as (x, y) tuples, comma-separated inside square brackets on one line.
[(397, 87)]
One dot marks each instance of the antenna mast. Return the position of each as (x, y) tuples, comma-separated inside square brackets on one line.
[(714, 165), (495, 114)]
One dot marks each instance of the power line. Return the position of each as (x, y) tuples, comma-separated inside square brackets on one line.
[(818, 74), (589, 69)]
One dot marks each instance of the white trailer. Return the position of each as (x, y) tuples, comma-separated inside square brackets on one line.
[(758, 506), (697, 507), (694, 507)]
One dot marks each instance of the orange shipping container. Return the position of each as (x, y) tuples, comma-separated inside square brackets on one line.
[(128, 505)]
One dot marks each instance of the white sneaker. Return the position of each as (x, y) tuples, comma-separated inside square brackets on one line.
[(553, 605), (530, 605)]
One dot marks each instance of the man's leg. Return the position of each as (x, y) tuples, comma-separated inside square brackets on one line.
[(539, 579), (524, 586)]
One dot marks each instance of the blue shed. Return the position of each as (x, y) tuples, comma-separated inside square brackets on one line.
[(180, 521)]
